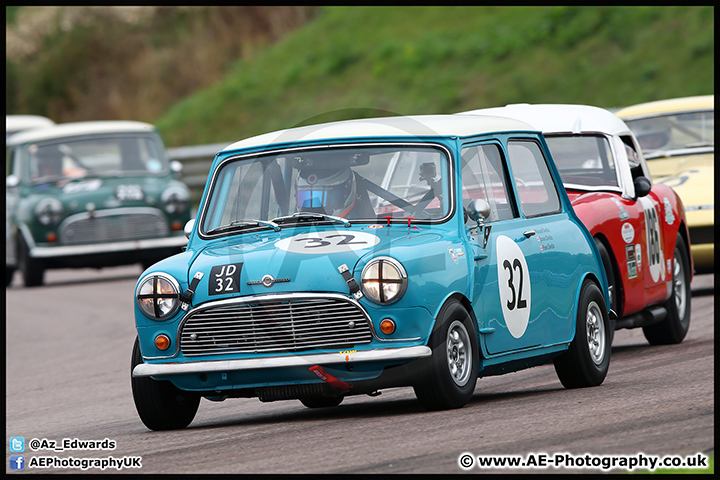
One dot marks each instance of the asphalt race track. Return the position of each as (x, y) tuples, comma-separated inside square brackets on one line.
[(68, 347)]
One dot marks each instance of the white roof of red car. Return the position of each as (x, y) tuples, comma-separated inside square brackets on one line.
[(560, 118)]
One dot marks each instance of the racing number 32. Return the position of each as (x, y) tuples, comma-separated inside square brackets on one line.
[(514, 285), (516, 265), (315, 242)]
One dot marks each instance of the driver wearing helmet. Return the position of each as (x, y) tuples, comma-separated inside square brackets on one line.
[(328, 191), (49, 162)]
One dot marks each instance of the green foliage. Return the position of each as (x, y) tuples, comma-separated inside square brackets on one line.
[(352, 61), (682, 471), (11, 14), (417, 60)]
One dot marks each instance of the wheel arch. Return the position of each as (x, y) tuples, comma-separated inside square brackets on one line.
[(467, 304), (619, 285), (684, 233)]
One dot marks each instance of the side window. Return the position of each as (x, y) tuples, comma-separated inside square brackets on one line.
[(633, 157), (483, 177), (535, 186)]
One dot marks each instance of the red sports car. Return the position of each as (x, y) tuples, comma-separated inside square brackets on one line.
[(639, 227)]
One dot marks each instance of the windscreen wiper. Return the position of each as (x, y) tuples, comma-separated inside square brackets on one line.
[(312, 216), (239, 224)]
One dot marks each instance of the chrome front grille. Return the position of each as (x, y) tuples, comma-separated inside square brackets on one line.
[(114, 225), (273, 325)]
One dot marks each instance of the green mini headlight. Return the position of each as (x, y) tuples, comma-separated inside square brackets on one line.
[(158, 296), (175, 200), (49, 211), (384, 280)]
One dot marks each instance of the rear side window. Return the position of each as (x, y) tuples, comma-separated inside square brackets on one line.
[(536, 189)]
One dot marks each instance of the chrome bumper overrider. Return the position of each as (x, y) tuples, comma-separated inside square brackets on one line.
[(405, 353), (130, 245)]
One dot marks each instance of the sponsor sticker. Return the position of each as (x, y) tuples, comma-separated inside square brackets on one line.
[(627, 232), (631, 261), (669, 215)]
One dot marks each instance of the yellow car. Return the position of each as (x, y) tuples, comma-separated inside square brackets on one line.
[(678, 140)]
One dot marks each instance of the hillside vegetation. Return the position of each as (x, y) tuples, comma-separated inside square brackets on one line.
[(332, 63)]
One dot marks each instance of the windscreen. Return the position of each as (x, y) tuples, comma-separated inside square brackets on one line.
[(360, 183)]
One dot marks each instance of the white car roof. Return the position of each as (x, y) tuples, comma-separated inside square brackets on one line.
[(560, 118), (15, 123), (401, 126), (73, 129)]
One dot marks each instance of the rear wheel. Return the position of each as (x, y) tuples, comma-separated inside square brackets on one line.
[(675, 326), (447, 378), (586, 362), (160, 404)]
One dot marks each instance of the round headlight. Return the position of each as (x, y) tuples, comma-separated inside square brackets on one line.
[(384, 280), (175, 200), (158, 296), (49, 211)]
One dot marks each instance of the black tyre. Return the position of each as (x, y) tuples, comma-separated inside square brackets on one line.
[(586, 362), (10, 272), (321, 402), (447, 378), (675, 326), (32, 270), (160, 404)]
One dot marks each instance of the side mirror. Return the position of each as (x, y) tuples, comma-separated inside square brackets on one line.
[(12, 181), (189, 226), (643, 185), (478, 210)]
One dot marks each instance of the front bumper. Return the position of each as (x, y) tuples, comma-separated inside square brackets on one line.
[(113, 247), (383, 354)]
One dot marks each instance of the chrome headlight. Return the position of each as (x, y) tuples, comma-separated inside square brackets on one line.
[(384, 280), (175, 200), (49, 211), (158, 296)]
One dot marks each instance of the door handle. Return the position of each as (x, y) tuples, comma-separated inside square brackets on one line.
[(529, 233)]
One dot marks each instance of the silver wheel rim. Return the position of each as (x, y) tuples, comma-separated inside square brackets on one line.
[(459, 353), (595, 328), (679, 285)]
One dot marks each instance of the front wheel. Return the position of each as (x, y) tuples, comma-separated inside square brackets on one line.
[(160, 404), (675, 326), (447, 378), (32, 270), (321, 402), (586, 362)]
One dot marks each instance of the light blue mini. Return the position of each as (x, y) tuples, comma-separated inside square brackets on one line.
[(354, 256)]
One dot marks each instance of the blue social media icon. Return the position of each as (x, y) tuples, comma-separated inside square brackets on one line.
[(17, 462), (17, 444)]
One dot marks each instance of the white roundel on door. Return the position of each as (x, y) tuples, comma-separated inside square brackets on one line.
[(514, 285), (655, 259)]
